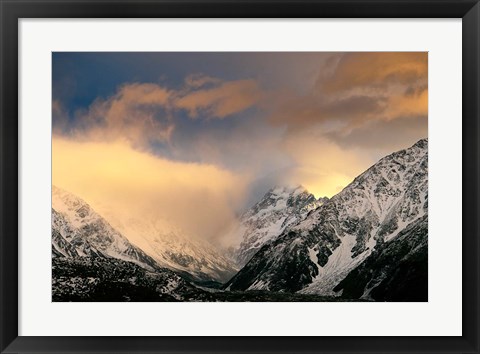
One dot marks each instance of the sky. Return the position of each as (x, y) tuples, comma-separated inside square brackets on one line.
[(196, 138)]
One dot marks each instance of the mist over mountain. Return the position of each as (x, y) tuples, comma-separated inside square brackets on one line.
[(315, 254), (368, 242), (78, 230), (91, 261)]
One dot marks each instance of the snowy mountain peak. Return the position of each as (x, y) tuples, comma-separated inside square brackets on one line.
[(279, 208), (286, 190), (315, 253), (421, 144), (79, 231), (157, 243)]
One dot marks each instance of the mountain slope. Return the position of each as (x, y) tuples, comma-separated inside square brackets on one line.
[(395, 271), (172, 248), (315, 254), (91, 261), (279, 208), (78, 231)]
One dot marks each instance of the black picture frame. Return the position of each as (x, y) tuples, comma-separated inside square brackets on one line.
[(13, 10)]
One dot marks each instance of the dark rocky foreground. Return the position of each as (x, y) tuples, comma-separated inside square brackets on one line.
[(112, 280)]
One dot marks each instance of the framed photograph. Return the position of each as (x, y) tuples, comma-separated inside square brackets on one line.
[(239, 177)]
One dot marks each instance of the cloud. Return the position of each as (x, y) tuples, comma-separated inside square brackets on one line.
[(383, 136), (376, 70), (202, 199), (335, 121), (408, 104), (199, 80), (312, 109), (144, 114), (59, 117), (362, 107), (354, 91), (136, 113), (321, 165), (224, 99), (142, 94)]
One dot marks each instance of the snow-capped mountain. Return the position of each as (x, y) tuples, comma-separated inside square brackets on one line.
[(279, 208), (78, 231), (92, 261), (372, 213), (171, 247)]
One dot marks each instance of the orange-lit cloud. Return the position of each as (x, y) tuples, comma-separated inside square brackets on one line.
[(222, 100), (370, 69), (132, 114), (322, 166), (143, 113), (415, 104), (201, 199), (362, 106), (313, 109), (352, 110), (199, 80), (360, 94)]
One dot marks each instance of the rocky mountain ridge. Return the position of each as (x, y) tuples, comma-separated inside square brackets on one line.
[(279, 208), (315, 254)]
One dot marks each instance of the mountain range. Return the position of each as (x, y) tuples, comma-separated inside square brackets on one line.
[(368, 242), (380, 208)]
